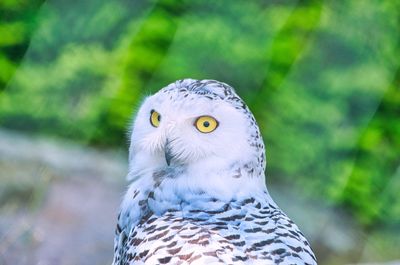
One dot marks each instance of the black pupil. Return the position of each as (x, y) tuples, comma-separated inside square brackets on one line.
[(158, 118), (206, 124)]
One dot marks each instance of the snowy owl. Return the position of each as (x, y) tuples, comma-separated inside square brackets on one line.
[(198, 193)]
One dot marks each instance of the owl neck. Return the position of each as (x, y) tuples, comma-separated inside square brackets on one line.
[(217, 179), (173, 187)]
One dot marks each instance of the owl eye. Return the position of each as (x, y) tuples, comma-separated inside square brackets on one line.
[(155, 118), (206, 124)]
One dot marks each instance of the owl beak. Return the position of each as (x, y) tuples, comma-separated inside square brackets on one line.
[(167, 153), (168, 157)]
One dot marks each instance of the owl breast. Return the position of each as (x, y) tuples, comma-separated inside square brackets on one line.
[(248, 231)]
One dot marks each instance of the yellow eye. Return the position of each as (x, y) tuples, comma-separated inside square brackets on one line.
[(206, 124), (155, 118)]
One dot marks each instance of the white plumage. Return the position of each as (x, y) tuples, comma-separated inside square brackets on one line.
[(198, 193)]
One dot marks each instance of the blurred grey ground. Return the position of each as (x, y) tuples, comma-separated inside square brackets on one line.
[(59, 201)]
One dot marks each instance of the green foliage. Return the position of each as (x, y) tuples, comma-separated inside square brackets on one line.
[(321, 77), (16, 24)]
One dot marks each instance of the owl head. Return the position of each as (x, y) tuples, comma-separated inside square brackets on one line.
[(197, 126)]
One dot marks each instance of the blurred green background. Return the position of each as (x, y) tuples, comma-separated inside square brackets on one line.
[(322, 78)]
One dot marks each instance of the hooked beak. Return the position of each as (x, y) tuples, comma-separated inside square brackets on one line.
[(168, 153)]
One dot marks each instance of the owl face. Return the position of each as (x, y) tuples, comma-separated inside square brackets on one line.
[(183, 128)]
